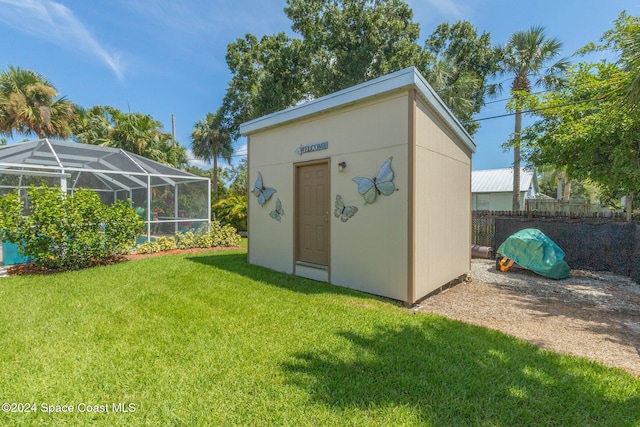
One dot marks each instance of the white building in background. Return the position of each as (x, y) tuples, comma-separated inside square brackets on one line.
[(492, 189)]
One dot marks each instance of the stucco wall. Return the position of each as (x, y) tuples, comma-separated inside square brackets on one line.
[(270, 242), (442, 204), (369, 251)]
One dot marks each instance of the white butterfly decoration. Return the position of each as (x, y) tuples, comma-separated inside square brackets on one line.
[(342, 211), (382, 183), (278, 211), (261, 192)]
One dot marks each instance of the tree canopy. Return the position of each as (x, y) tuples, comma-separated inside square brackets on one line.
[(346, 42), (209, 141), (137, 133), (460, 62), (592, 126), (351, 41), (29, 104), (528, 55), (267, 76)]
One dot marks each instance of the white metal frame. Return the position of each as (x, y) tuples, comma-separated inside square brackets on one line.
[(108, 174)]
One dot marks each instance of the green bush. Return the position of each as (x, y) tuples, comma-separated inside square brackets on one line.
[(160, 244), (67, 232), (186, 240), (232, 210), (217, 236), (147, 248), (166, 243)]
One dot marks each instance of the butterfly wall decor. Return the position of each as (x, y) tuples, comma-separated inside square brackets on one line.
[(261, 192), (342, 211), (278, 211), (382, 183)]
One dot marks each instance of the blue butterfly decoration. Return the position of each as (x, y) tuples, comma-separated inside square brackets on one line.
[(261, 192), (382, 183), (278, 211), (342, 211)]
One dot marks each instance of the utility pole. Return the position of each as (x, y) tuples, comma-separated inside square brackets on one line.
[(173, 128)]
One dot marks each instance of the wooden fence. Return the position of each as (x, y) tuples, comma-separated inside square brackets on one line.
[(483, 228), (575, 207)]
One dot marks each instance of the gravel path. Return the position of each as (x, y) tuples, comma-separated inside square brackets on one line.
[(590, 314)]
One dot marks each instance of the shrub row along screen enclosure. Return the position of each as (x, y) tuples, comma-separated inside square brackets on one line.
[(169, 200)]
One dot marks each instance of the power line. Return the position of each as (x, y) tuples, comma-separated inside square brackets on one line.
[(511, 97), (535, 110)]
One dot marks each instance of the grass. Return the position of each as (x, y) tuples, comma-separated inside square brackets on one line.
[(206, 339)]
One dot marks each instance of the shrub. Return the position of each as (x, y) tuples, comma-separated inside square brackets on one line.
[(166, 243), (186, 240), (158, 245), (217, 236), (67, 232), (147, 248), (232, 210)]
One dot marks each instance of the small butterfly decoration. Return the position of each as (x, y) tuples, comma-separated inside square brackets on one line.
[(382, 183), (278, 211), (342, 211), (261, 192)]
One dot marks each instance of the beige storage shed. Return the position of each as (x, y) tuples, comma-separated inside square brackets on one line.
[(367, 188)]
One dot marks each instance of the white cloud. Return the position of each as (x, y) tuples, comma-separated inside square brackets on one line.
[(54, 22), (214, 17), (193, 161), (235, 159), (242, 151)]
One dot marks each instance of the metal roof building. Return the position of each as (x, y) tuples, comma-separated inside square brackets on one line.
[(492, 189), (500, 180)]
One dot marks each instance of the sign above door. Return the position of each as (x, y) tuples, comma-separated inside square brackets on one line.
[(302, 149)]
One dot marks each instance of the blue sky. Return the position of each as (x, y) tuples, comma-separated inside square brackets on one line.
[(164, 57)]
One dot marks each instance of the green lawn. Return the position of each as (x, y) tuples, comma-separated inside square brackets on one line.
[(207, 339)]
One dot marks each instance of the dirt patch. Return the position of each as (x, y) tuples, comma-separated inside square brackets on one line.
[(591, 314)]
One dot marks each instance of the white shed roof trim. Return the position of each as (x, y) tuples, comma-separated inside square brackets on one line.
[(403, 79)]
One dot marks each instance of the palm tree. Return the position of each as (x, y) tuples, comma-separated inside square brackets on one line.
[(527, 56), (625, 40), (134, 132), (93, 126), (456, 88), (28, 105), (209, 142)]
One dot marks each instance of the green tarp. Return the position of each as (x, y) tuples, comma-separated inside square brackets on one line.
[(532, 249)]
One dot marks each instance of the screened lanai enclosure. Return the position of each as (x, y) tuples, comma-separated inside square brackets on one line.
[(169, 200)]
